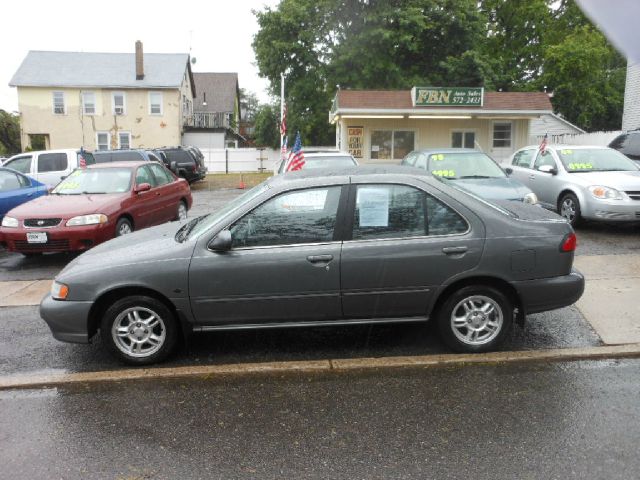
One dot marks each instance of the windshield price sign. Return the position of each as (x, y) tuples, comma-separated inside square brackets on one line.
[(447, 96)]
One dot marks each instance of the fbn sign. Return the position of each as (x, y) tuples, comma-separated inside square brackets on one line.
[(447, 96)]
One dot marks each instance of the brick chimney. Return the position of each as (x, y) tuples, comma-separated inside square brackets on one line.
[(139, 61)]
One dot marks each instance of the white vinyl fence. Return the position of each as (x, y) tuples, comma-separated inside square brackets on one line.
[(232, 160), (593, 138)]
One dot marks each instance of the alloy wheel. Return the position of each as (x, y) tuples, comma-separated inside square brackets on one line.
[(138, 332), (476, 320)]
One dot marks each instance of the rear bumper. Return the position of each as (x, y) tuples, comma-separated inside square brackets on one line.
[(68, 320), (545, 294)]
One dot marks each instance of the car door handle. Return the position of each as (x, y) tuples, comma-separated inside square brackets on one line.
[(320, 258), (454, 250)]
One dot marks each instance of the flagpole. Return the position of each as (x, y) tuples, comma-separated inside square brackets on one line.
[(281, 108)]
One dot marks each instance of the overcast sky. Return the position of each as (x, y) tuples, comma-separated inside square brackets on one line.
[(219, 32)]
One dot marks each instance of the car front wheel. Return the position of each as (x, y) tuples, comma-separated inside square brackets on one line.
[(123, 227), (139, 330), (475, 319), (569, 208), (182, 211)]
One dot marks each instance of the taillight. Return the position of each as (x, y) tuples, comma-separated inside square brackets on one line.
[(569, 243)]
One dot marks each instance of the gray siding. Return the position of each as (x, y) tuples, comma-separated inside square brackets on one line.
[(631, 113)]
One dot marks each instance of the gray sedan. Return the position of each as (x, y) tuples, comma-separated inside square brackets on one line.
[(581, 182), (313, 248)]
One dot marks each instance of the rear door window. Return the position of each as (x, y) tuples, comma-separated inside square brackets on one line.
[(21, 164), (523, 158), (52, 162)]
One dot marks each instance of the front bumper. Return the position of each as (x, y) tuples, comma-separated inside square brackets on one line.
[(545, 294), (59, 239), (68, 320), (612, 210)]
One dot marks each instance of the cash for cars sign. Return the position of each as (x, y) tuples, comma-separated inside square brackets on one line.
[(447, 96), (355, 137)]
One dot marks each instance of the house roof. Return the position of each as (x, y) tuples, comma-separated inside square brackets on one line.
[(102, 70), (401, 100), (221, 90), (553, 125)]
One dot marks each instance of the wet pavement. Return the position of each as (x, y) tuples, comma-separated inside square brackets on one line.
[(27, 347), (535, 421)]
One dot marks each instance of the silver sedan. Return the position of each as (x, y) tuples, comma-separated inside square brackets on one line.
[(581, 182)]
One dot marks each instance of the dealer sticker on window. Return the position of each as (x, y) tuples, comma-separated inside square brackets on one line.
[(37, 237)]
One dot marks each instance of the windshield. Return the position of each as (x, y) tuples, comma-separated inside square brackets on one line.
[(95, 180), (594, 160), (193, 228), (455, 166)]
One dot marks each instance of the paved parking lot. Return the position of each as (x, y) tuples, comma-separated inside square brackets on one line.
[(26, 344)]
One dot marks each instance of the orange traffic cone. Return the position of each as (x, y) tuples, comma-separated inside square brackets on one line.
[(241, 185)]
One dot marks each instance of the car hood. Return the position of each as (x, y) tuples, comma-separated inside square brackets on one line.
[(625, 181), (145, 246), (493, 188), (65, 206)]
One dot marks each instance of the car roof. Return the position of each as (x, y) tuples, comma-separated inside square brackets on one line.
[(318, 175), (130, 164), (430, 151), (326, 154), (568, 146), (58, 150)]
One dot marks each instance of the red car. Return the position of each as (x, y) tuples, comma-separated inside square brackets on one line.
[(95, 204)]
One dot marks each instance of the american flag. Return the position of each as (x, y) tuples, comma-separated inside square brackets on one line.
[(296, 157), (543, 145), (283, 121), (81, 160), (283, 150)]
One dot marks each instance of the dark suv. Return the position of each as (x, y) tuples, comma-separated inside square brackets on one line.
[(629, 144), (133, 155), (185, 162)]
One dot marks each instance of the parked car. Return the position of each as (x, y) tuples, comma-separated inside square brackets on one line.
[(332, 159), (49, 166), (471, 170), (581, 182), (16, 189), (628, 143), (321, 248), (184, 162), (129, 155), (95, 204)]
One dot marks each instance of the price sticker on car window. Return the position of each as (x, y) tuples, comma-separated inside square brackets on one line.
[(69, 186), (580, 166), (566, 152), (437, 157), (443, 173)]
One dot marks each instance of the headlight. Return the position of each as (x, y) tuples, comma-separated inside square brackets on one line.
[(530, 198), (59, 291), (605, 193), (87, 220), (10, 222)]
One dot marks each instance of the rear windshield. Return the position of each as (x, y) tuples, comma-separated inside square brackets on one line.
[(179, 156), (95, 181), (594, 160)]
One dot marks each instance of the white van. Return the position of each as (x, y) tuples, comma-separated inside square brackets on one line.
[(49, 166)]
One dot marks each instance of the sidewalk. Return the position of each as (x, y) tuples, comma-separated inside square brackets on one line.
[(611, 301)]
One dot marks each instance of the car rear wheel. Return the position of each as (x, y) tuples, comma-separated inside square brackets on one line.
[(139, 330), (569, 208), (475, 319), (123, 227), (182, 211)]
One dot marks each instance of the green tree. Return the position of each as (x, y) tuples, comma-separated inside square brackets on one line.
[(267, 133), (249, 105), (587, 78), (9, 132)]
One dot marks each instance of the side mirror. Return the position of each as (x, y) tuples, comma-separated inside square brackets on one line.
[(548, 169), (221, 242), (63, 177), (173, 166), (143, 187), (508, 170)]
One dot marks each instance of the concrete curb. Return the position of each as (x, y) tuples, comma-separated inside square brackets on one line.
[(319, 366)]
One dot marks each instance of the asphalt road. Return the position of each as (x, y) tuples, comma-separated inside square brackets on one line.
[(535, 421)]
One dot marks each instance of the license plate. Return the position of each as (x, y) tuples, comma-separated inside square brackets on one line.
[(37, 237)]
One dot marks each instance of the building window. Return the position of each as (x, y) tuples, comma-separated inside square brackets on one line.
[(155, 103), (391, 144), (502, 135), (463, 139), (103, 140), (88, 103), (58, 103), (124, 140), (118, 103)]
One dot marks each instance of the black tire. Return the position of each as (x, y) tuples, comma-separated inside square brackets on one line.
[(183, 204), (152, 342), (123, 227), (480, 319), (569, 208)]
